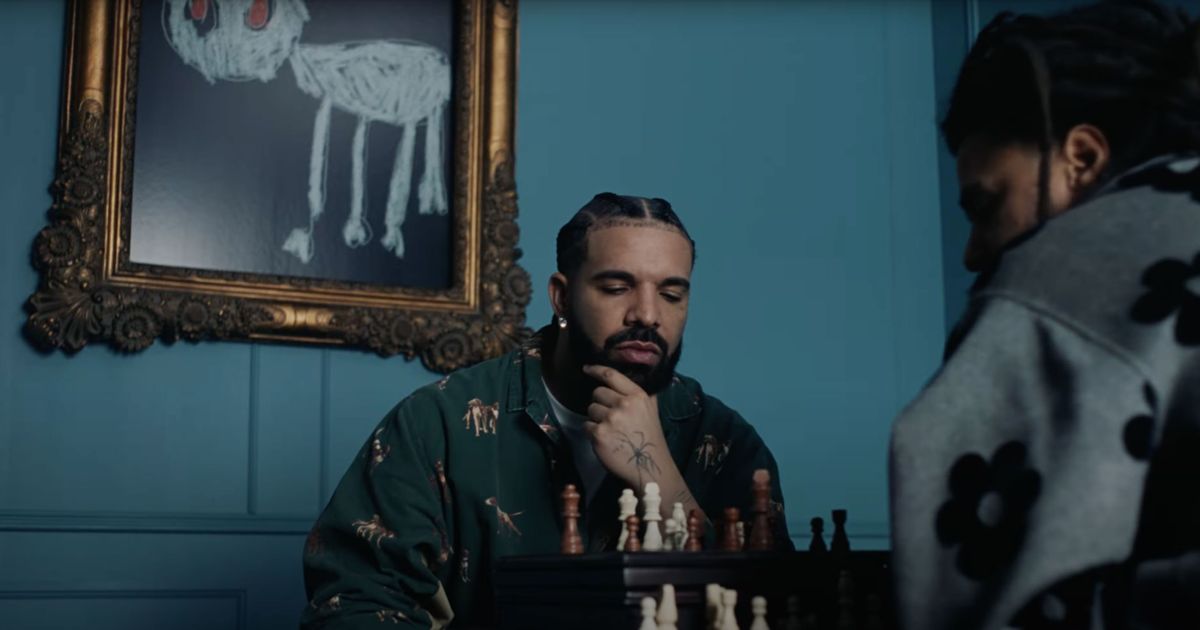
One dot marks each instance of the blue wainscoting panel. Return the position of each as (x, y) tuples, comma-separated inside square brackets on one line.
[(256, 577), (285, 431), (178, 610), (179, 424)]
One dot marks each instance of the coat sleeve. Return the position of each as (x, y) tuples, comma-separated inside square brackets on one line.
[(1017, 474), (378, 552), (731, 486)]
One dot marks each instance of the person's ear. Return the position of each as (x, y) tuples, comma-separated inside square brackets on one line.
[(558, 293), (1086, 154)]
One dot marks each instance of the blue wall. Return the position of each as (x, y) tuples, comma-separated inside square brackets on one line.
[(173, 488)]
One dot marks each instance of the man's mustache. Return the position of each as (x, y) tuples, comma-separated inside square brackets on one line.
[(637, 333)]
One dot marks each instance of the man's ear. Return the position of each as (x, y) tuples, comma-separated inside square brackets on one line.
[(1086, 154), (558, 293)]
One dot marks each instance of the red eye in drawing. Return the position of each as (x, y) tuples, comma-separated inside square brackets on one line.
[(199, 10), (259, 14)]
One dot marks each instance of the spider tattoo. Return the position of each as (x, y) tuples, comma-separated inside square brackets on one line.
[(641, 457)]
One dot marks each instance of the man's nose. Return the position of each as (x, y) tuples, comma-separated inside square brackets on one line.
[(644, 310)]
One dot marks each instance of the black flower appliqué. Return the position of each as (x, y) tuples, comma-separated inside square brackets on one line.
[(1138, 434), (1181, 175), (1172, 285), (988, 508)]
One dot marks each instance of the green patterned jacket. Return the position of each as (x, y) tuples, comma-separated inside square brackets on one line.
[(472, 468)]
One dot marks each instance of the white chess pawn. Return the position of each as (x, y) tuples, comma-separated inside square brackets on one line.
[(670, 533), (668, 614), (628, 503), (728, 608), (712, 606), (648, 614), (758, 606), (651, 501), (681, 535)]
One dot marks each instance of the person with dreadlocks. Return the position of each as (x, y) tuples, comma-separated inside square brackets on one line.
[(1045, 477)]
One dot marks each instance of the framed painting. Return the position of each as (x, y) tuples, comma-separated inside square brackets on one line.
[(313, 171)]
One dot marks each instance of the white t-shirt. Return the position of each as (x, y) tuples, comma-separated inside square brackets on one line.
[(591, 471)]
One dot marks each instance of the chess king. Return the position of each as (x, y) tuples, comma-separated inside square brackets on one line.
[(473, 467)]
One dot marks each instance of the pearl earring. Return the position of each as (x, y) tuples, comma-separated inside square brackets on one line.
[(562, 322)]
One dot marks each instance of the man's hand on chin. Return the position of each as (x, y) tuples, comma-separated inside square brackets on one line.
[(628, 438)]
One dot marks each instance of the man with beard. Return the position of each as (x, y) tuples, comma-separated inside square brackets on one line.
[(473, 467)]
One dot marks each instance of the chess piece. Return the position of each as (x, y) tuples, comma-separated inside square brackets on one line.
[(628, 505), (652, 502), (818, 536), (631, 541), (695, 532), (668, 614), (741, 534), (572, 542), (681, 536), (729, 609), (840, 543), (793, 614), (712, 606), (670, 531), (845, 601), (729, 535), (874, 612), (648, 622), (758, 607), (761, 537)]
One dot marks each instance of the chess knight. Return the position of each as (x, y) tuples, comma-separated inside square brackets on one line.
[(591, 400)]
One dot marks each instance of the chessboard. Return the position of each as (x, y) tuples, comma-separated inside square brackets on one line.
[(800, 590), (664, 579)]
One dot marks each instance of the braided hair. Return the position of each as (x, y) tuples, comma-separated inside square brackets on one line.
[(1131, 68), (606, 209)]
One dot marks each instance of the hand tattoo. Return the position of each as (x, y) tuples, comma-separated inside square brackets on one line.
[(641, 457)]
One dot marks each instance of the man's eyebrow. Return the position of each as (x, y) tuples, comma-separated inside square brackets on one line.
[(626, 277), (676, 281), (612, 274)]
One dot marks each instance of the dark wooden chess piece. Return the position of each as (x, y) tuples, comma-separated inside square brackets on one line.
[(729, 535), (818, 536), (840, 543), (761, 536), (572, 542), (632, 525), (695, 529)]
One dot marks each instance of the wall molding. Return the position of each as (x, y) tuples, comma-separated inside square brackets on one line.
[(237, 595), (163, 523)]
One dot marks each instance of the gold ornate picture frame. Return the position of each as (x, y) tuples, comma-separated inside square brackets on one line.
[(96, 286)]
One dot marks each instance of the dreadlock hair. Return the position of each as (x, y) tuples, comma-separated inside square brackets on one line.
[(1131, 68), (605, 209)]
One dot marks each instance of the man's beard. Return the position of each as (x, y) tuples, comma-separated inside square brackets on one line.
[(651, 378)]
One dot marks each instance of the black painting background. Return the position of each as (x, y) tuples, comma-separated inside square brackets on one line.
[(221, 170)]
